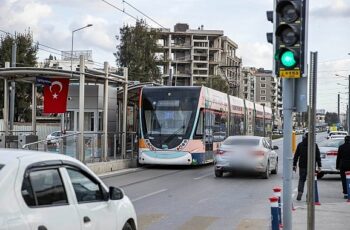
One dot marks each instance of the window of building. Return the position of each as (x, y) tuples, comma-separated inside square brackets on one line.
[(262, 98), (263, 85), (262, 79), (263, 91), (43, 188)]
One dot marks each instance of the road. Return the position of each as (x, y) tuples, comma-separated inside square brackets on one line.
[(192, 198)]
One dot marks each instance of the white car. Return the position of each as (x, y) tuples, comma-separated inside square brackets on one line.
[(337, 133), (53, 137), (246, 153), (45, 191), (329, 153)]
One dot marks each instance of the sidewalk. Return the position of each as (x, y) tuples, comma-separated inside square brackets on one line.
[(334, 216)]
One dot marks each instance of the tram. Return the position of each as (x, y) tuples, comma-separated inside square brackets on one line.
[(185, 125)]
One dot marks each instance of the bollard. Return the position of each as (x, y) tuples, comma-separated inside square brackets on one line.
[(348, 184), (294, 142), (277, 193), (317, 201), (274, 213)]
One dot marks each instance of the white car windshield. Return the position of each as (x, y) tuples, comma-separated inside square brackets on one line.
[(242, 142)]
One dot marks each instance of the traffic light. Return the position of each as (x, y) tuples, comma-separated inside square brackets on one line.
[(289, 42)]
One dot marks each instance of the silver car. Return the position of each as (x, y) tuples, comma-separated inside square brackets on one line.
[(329, 152), (246, 153)]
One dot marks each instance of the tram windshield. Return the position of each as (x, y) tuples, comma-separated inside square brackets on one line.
[(168, 114)]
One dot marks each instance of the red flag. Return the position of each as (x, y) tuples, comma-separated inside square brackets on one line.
[(55, 96)]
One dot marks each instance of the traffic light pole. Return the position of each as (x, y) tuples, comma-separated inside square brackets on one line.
[(288, 104)]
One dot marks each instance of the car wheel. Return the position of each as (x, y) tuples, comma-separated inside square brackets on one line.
[(276, 169), (127, 226), (266, 174), (320, 175), (219, 173)]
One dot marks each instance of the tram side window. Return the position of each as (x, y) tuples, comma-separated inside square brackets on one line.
[(200, 126), (237, 126), (259, 126), (219, 128)]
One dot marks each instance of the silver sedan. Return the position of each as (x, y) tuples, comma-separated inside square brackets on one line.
[(246, 153)]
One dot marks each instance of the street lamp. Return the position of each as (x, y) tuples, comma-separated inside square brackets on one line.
[(71, 55)]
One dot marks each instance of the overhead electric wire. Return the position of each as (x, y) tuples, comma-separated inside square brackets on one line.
[(123, 11), (129, 4)]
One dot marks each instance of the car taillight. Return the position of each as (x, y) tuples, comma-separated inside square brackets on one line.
[(220, 152), (332, 153), (259, 153)]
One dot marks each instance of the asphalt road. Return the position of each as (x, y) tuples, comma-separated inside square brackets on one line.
[(192, 198)]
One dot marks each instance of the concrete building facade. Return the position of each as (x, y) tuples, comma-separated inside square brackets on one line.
[(260, 86), (191, 57)]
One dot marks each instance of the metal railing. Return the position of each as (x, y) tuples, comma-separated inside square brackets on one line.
[(93, 146)]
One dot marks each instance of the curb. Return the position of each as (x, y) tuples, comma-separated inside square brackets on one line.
[(120, 172)]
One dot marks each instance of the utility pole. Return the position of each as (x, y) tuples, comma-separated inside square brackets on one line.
[(349, 106), (311, 143), (13, 84), (338, 108)]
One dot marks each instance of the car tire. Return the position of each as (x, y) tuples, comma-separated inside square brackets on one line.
[(266, 174), (276, 169), (320, 175), (219, 173), (127, 226)]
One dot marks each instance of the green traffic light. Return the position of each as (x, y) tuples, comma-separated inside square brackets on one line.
[(288, 59)]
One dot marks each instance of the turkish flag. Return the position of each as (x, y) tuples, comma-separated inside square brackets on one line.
[(55, 96)]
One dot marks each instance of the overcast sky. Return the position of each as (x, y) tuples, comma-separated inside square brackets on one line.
[(244, 21)]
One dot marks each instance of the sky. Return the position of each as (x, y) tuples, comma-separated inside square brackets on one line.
[(244, 21)]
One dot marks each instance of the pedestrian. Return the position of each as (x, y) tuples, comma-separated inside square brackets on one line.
[(343, 162), (301, 155)]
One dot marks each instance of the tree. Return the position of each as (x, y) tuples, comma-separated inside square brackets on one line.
[(26, 57), (136, 51), (331, 118), (217, 83)]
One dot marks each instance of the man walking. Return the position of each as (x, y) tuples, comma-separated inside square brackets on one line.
[(343, 163), (301, 155)]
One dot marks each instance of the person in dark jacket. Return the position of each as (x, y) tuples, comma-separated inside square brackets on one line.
[(301, 155), (343, 162)]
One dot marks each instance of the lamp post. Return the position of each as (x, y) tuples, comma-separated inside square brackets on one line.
[(71, 55)]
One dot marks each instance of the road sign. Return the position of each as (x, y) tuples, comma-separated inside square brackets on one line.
[(42, 81), (290, 73)]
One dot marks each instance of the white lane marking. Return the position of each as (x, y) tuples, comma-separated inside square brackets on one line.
[(201, 177), (149, 194)]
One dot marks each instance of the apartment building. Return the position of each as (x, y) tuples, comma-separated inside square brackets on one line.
[(247, 89), (260, 86), (191, 56)]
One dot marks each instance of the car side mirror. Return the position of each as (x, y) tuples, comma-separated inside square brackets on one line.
[(115, 193), (275, 147)]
